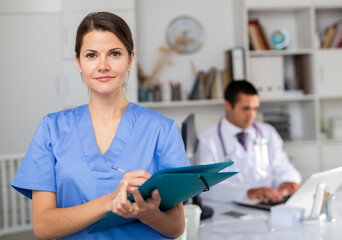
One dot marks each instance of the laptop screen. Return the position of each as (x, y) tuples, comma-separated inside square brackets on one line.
[(304, 197)]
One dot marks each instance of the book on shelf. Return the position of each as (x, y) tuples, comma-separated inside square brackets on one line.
[(195, 88), (220, 84), (206, 85), (202, 80), (210, 81), (332, 37), (302, 72), (329, 36), (337, 42), (235, 63), (226, 73), (214, 88), (257, 35), (253, 38), (225, 80), (340, 43)]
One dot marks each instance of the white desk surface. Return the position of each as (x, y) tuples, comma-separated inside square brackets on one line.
[(307, 231)]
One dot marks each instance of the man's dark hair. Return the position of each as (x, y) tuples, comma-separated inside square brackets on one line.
[(234, 88)]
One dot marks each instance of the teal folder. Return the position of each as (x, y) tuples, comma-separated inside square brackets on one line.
[(175, 185)]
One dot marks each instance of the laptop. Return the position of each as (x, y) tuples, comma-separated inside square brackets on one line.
[(304, 197)]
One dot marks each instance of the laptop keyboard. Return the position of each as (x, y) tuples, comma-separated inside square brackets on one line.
[(264, 206), (271, 203)]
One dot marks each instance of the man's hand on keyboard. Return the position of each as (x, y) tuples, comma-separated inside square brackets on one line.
[(288, 188), (265, 194)]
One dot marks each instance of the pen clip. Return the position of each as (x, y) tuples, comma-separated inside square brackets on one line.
[(205, 183)]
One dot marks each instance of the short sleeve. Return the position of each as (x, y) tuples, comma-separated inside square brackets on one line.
[(37, 171), (173, 152)]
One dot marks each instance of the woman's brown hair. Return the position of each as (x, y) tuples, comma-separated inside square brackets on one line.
[(104, 21)]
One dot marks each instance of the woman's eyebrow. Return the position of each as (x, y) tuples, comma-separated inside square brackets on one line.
[(113, 49), (90, 50), (110, 50)]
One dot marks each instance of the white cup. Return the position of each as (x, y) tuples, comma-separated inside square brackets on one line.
[(193, 213)]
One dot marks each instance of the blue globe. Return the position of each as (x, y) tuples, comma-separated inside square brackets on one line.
[(280, 39)]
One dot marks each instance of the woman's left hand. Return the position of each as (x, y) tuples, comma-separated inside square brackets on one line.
[(145, 210)]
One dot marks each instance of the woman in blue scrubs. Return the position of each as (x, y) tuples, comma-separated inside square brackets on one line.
[(67, 168)]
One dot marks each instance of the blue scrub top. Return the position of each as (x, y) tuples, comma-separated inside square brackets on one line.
[(64, 158)]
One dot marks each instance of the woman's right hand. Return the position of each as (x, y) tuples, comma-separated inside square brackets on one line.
[(169, 223)]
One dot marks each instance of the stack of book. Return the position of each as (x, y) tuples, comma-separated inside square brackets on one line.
[(332, 37), (207, 85), (257, 36), (280, 120)]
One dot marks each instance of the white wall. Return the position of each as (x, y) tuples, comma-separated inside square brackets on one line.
[(30, 65), (153, 17), (31, 83)]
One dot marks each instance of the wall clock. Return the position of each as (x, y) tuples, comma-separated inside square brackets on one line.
[(185, 34)]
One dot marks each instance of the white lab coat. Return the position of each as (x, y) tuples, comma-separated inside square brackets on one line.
[(235, 188)]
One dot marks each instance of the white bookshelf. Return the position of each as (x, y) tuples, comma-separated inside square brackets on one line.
[(276, 4), (327, 3), (280, 53), (184, 103), (311, 149)]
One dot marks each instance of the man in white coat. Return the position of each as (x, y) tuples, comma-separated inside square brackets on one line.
[(265, 172)]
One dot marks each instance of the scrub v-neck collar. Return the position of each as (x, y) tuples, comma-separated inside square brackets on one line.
[(96, 161)]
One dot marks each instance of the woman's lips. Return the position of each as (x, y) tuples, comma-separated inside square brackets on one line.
[(104, 78)]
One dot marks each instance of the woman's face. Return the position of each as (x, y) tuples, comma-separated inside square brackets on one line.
[(104, 62)]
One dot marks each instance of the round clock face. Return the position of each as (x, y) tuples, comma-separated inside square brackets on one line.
[(185, 34)]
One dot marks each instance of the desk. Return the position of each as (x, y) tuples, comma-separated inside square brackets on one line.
[(307, 231)]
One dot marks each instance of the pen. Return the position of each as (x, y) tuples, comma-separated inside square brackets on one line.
[(119, 169)]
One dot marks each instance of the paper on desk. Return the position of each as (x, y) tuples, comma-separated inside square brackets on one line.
[(224, 224)]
